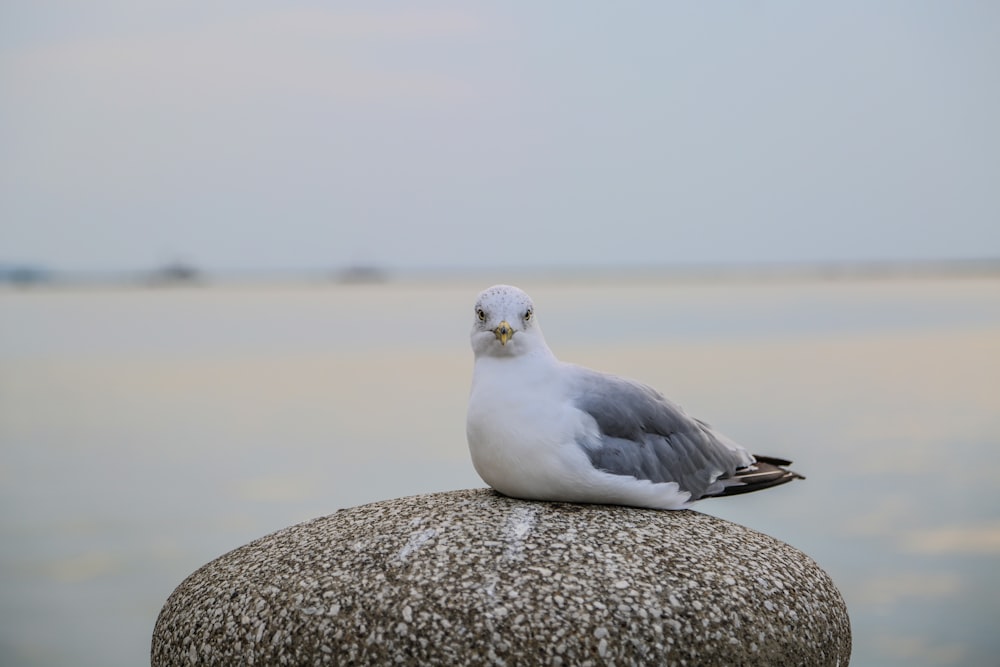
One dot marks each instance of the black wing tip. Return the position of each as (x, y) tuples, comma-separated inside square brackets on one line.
[(768, 471), (778, 463)]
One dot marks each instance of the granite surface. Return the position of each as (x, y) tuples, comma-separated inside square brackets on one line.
[(471, 577)]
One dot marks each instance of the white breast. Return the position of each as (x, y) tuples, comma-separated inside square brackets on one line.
[(522, 427)]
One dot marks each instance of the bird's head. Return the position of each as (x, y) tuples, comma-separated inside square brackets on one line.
[(504, 323)]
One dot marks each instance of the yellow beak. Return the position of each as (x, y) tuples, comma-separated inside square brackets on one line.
[(504, 332)]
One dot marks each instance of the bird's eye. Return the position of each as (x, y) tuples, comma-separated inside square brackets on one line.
[(481, 314), (527, 315)]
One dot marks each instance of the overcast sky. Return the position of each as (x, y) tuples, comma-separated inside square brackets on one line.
[(287, 135)]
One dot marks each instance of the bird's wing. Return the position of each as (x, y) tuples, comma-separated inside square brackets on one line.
[(644, 435)]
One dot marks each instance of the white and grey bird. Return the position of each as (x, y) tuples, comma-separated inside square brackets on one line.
[(542, 429)]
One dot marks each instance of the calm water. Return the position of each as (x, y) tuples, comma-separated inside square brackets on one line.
[(145, 432)]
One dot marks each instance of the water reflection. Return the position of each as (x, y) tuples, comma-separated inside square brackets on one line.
[(146, 432)]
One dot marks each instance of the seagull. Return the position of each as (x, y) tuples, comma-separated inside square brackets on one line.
[(543, 429)]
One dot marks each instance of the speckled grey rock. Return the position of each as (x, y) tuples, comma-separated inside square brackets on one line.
[(472, 577)]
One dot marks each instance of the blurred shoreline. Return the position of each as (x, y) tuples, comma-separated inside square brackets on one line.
[(30, 277)]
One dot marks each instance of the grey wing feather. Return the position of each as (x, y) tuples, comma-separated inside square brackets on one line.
[(644, 435)]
